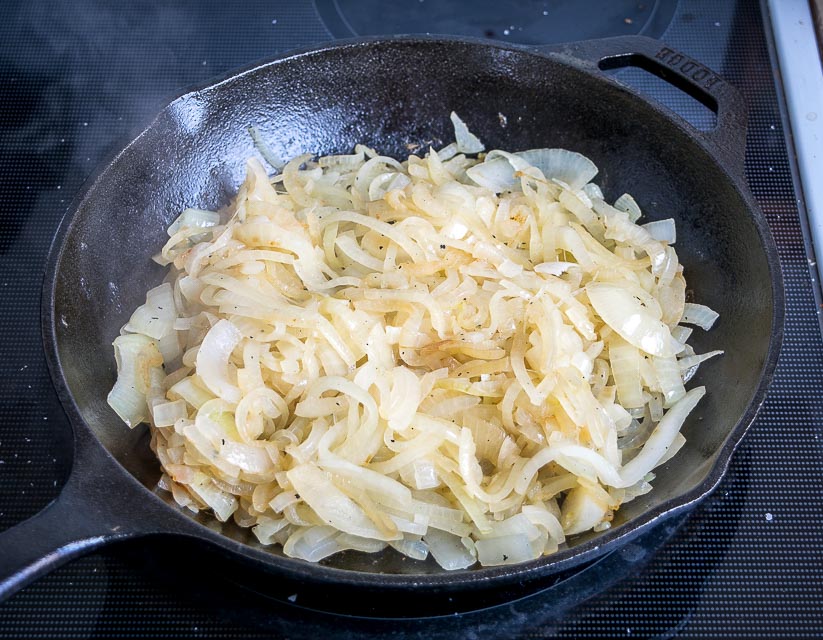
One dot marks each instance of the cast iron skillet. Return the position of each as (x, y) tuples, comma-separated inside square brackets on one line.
[(388, 93)]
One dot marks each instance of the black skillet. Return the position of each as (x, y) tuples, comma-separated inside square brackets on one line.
[(388, 93)]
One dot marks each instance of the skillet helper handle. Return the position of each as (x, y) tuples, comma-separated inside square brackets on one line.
[(81, 519), (690, 76)]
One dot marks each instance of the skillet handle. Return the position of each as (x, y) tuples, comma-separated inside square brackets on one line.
[(695, 79), (93, 509)]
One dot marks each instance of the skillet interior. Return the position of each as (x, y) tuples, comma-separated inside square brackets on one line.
[(389, 94)]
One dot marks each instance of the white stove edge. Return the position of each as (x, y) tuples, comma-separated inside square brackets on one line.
[(802, 75)]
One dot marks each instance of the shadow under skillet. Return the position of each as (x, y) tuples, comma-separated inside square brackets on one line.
[(263, 601)]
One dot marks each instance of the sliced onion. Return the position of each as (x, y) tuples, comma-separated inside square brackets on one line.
[(198, 218), (425, 475), (223, 504), (404, 399), (191, 391), (661, 438), (213, 360), (656, 407), (619, 227), (625, 365), (540, 515), (467, 142), (699, 314), (369, 351), (411, 547), (332, 505), (357, 543), (267, 528), (570, 167), (247, 457), (592, 191), (139, 367), (674, 448), (510, 549), (669, 377), (627, 204), (556, 268), (496, 174), (269, 155), (343, 162), (581, 511), (681, 334), (692, 361), (155, 319), (386, 182), (628, 317), (312, 544), (166, 414), (662, 230), (447, 549)]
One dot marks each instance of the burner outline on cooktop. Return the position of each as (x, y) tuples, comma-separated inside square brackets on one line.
[(530, 23)]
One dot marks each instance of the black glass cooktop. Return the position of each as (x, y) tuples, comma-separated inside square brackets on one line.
[(80, 79), (529, 22)]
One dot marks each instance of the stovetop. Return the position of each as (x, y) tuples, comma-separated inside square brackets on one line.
[(80, 79)]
